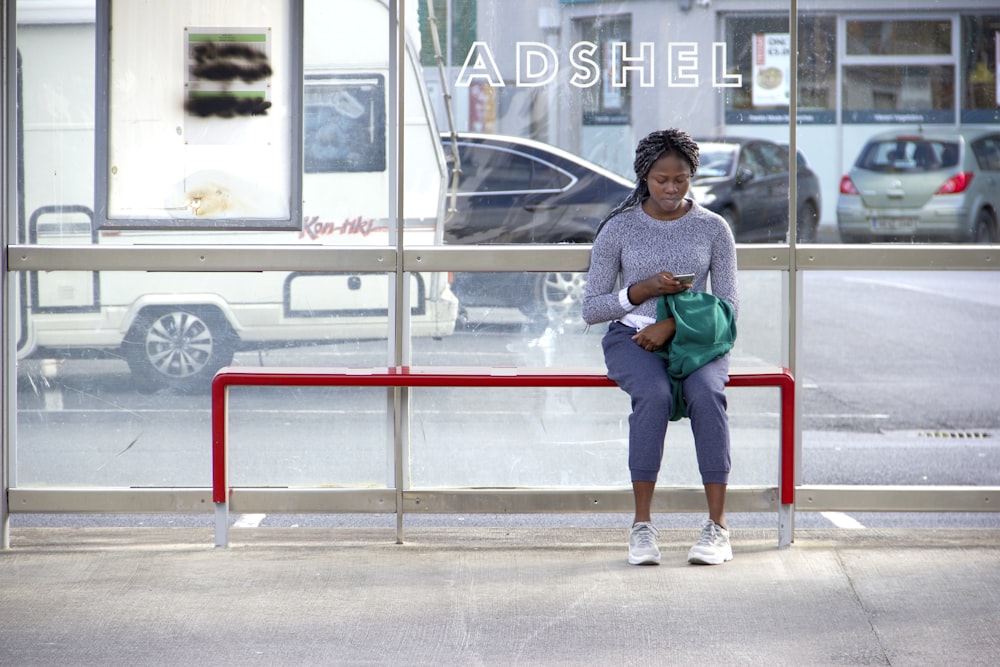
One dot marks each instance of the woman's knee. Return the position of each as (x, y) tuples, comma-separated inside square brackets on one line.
[(706, 389), (653, 395)]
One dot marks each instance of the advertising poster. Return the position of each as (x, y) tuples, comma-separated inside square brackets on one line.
[(200, 116), (772, 57)]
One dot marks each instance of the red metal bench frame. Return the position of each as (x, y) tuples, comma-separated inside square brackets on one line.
[(465, 376)]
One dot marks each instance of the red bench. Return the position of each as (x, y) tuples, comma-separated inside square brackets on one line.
[(465, 376)]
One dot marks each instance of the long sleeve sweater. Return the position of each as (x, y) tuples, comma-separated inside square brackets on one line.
[(635, 246)]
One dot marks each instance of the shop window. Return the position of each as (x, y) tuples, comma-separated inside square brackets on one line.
[(816, 63), (899, 93), (899, 71), (899, 38), (980, 49), (344, 124), (608, 103)]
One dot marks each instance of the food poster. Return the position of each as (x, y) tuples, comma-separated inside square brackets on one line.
[(772, 59)]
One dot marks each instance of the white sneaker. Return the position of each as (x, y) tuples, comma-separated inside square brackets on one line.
[(642, 549), (713, 548)]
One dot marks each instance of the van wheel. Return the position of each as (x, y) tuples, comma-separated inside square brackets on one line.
[(178, 348), (558, 295)]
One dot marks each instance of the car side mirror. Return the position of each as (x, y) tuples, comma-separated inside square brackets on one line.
[(743, 175)]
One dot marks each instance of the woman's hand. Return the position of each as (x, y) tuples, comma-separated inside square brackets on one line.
[(656, 335), (654, 286)]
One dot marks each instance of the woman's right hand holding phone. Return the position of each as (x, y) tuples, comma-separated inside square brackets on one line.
[(654, 286)]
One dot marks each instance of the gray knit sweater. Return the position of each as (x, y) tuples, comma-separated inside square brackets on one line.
[(637, 246)]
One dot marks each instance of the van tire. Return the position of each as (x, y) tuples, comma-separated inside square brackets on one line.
[(557, 297), (178, 348)]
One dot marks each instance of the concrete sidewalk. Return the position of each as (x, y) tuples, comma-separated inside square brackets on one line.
[(474, 596)]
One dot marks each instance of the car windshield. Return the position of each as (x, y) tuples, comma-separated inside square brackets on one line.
[(908, 154), (715, 159)]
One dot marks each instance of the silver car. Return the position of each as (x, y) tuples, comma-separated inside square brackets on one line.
[(924, 185)]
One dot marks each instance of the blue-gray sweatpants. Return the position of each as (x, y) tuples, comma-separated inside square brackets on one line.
[(643, 376)]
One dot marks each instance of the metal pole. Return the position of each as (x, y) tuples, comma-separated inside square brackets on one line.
[(397, 115), (786, 525), (8, 195)]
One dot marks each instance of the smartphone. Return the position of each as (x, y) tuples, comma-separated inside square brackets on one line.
[(685, 277)]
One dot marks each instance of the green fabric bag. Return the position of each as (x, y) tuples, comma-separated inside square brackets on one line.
[(706, 330)]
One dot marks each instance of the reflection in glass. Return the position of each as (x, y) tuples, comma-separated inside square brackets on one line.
[(922, 88), (344, 124), (979, 68), (816, 59), (938, 185), (899, 37), (175, 330)]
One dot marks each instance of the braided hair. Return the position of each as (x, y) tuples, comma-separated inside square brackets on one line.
[(650, 149)]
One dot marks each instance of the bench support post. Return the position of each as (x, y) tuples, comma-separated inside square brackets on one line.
[(222, 524)]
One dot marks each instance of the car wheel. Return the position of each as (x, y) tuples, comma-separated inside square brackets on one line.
[(177, 348), (986, 228), (808, 223), (557, 296)]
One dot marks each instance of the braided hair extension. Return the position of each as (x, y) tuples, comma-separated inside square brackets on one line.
[(650, 149)]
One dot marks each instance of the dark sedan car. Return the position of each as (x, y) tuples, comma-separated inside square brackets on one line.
[(514, 190), (745, 181)]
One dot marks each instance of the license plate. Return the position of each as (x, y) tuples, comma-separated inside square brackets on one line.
[(884, 224)]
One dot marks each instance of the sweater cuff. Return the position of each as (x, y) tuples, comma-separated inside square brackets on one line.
[(627, 305)]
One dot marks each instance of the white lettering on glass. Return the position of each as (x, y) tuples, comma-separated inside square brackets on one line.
[(619, 55), (537, 64), (483, 67), (682, 61), (588, 71), (719, 77)]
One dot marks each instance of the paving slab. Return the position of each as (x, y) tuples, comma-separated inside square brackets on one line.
[(495, 596)]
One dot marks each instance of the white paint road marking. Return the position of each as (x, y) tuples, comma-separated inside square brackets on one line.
[(248, 520), (841, 520)]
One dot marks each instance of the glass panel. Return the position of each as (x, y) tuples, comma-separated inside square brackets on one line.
[(900, 383), (753, 196), (570, 437), (113, 366), (333, 437), (117, 393)]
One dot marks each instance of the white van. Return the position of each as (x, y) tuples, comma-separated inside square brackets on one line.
[(175, 329)]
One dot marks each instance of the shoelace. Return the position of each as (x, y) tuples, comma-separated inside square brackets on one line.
[(645, 536), (710, 534)]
